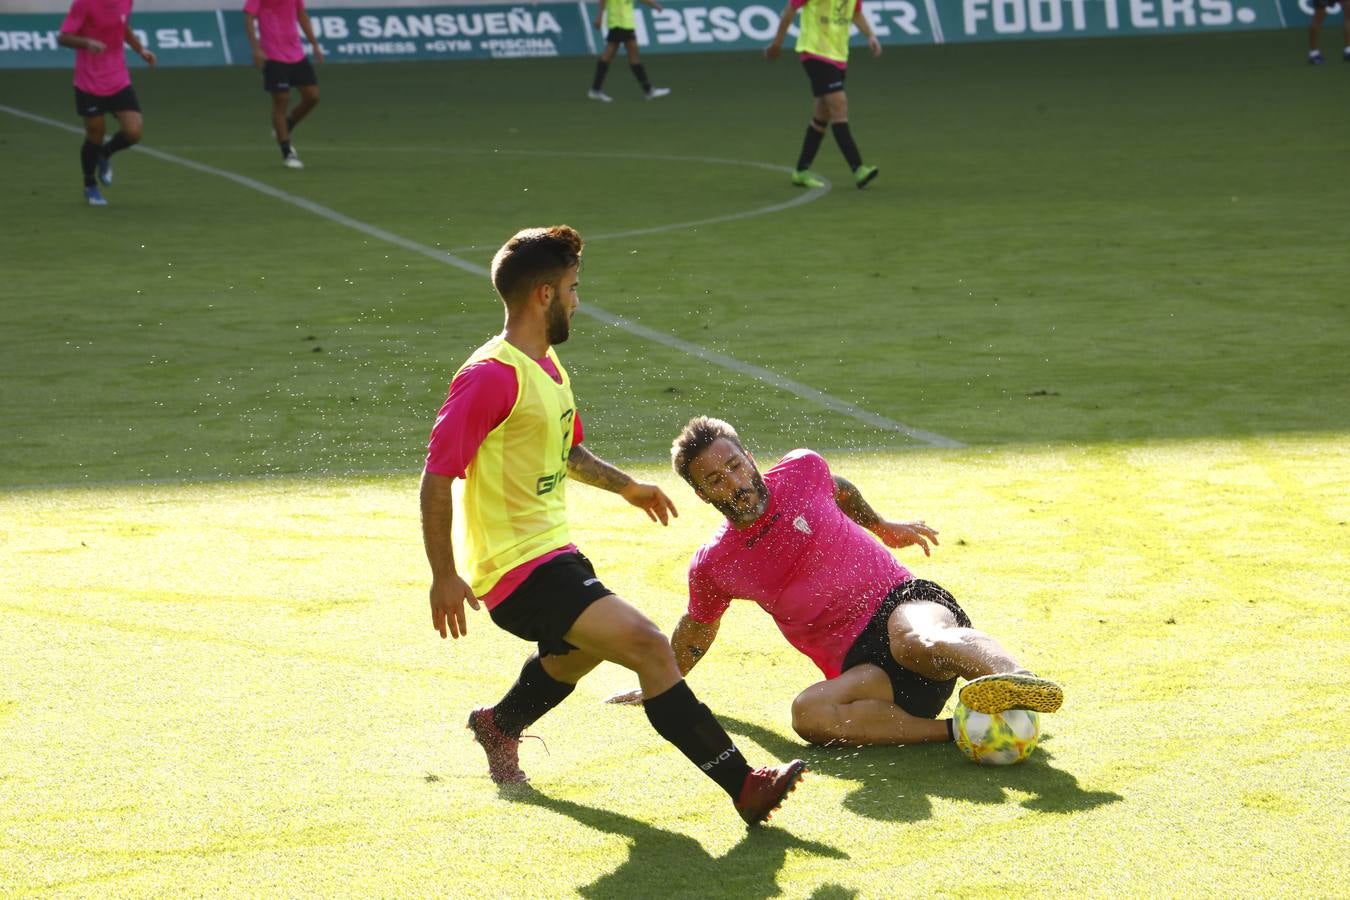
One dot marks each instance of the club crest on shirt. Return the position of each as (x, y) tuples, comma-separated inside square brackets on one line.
[(801, 525)]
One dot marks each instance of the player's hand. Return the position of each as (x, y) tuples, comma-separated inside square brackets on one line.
[(447, 605), (259, 61), (149, 57), (772, 51), (94, 46), (874, 45), (318, 54), (651, 499), (905, 534), (627, 698), (598, 20)]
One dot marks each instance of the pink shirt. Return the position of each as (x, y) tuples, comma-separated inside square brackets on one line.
[(817, 572), (278, 31), (480, 399), (102, 74)]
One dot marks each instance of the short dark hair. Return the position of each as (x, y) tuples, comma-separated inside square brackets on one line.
[(696, 437), (534, 256)]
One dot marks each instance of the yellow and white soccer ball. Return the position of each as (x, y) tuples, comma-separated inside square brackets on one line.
[(1000, 739)]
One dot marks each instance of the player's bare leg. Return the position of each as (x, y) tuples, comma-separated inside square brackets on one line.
[(926, 638), (856, 709), (834, 106), (571, 667), (280, 101), (1314, 29), (611, 630), (131, 124), (614, 631), (95, 128), (309, 98)]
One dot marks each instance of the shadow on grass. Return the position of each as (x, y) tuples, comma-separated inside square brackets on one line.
[(898, 784), (666, 864)]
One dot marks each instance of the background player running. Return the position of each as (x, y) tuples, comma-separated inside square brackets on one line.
[(271, 29), (1320, 10), (796, 542), (621, 31), (96, 31), (823, 44), (509, 428)]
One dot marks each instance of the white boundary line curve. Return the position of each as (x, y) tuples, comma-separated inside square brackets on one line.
[(781, 382)]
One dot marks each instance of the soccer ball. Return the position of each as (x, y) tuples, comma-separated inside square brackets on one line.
[(1000, 739)]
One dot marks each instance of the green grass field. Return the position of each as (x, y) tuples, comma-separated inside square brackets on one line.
[(1110, 270)]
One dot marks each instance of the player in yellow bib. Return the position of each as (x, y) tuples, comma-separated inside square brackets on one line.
[(509, 428), (823, 46), (621, 31)]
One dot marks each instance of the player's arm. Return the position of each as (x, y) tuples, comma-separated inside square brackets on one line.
[(784, 23), (302, 16), (892, 534), (137, 48), (599, 14), (860, 19), (690, 641), (586, 467), (80, 42), (448, 589), (251, 29)]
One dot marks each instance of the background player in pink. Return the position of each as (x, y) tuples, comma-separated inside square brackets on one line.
[(271, 29), (796, 542), (96, 31)]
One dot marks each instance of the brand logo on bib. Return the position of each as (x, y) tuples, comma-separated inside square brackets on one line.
[(802, 525)]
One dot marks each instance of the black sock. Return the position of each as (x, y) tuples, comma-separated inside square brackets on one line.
[(640, 73), (601, 70), (89, 161), (533, 694), (285, 148), (810, 144), (116, 142), (679, 718), (844, 138)]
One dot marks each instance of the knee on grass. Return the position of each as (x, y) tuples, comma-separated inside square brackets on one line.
[(813, 720)]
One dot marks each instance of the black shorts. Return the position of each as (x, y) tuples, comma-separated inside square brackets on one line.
[(282, 76), (89, 105), (915, 694), (825, 78), (620, 36), (546, 604), (1325, 4)]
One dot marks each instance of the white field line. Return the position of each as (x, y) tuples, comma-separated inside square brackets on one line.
[(586, 18), (796, 388), (933, 20), (224, 41)]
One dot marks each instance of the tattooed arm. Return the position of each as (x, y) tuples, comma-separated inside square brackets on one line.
[(892, 534), (690, 642), (586, 467)]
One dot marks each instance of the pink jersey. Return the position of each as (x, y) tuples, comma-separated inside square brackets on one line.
[(480, 399), (102, 74), (817, 572), (278, 31)]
